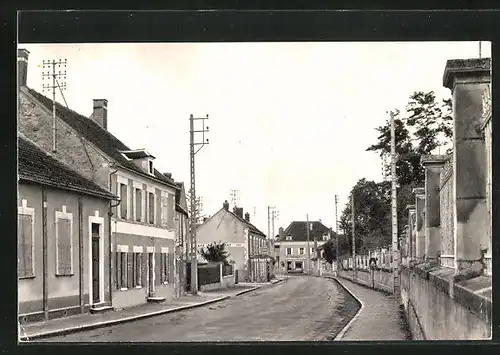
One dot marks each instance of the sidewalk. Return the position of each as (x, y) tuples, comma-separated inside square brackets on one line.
[(33, 331), (377, 319)]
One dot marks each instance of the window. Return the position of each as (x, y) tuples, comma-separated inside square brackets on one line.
[(121, 270), (325, 237), (289, 237), (25, 241), (123, 202), (64, 243), (151, 170), (151, 208), (137, 270), (301, 251), (312, 250), (288, 251), (138, 205), (164, 209)]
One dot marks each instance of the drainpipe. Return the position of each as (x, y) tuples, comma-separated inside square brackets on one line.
[(45, 257), (110, 214), (80, 252)]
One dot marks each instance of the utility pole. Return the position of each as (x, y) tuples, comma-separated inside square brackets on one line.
[(192, 153), (275, 215), (269, 211), (51, 73), (308, 246), (394, 207), (353, 238), (337, 232)]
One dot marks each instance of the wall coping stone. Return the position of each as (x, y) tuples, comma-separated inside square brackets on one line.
[(433, 159), (474, 294), (472, 67)]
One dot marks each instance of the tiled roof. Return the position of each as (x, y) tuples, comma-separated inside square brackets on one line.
[(298, 231), (178, 193), (37, 166), (98, 136)]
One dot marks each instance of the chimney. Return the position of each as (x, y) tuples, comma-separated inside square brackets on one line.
[(281, 232), (168, 175), (100, 114), (247, 217), (22, 66), (226, 205), (238, 211)]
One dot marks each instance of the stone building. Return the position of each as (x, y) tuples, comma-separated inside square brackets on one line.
[(144, 238), (293, 245), (63, 239), (246, 244)]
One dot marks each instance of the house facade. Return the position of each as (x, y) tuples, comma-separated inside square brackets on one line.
[(292, 246), (143, 239), (247, 245), (63, 238)]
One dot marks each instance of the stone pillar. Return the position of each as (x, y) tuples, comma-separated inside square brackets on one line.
[(411, 227), (469, 80), (433, 165), (420, 223)]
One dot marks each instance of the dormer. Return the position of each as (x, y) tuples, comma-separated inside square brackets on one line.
[(288, 237), (141, 158)]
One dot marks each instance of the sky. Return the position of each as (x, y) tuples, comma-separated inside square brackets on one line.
[(289, 123)]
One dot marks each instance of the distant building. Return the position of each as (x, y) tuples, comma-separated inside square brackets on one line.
[(291, 246), (63, 239), (247, 245)]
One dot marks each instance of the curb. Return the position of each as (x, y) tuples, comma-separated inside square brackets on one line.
[(246, 291), (344, 330), (118, 321)]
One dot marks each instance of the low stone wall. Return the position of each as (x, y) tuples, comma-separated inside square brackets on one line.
[(227, 282), (438, 308), (382, 280)]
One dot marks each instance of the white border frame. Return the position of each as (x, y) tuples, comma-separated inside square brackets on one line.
[(97, 220), (28, 211), (69, 217)]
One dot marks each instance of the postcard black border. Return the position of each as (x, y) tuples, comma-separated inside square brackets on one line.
[(228, 25)]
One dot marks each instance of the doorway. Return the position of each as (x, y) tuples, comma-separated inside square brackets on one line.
[(96, 264)]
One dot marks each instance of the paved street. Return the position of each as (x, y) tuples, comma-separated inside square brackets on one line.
[(301, 308)]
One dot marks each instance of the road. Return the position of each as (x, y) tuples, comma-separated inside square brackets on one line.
[(302, 308)]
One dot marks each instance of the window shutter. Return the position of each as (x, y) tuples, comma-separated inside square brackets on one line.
[(130, 271), (24, 249), (157, 270), (118, 274), (164, 210), (144, 269), (64, 246)]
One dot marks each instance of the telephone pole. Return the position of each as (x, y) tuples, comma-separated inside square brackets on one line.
[(51, 65), (269, 211), (308, 246), (193, 217), (353, 238), (394, 206), (274, 215), (337, 232)]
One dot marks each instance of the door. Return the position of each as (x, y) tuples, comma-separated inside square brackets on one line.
[(151, 288), (95, 269)]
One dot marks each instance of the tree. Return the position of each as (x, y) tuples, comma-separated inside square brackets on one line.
[(215, 252), (330, 248), (372, 222)]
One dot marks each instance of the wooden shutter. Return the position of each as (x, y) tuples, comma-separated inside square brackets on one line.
[(118, 274), (63, 247), (163, 204), (132, 201), (144, 269), (171, 267), (123, 202), (25, 246), (130, 270), (157, 270), (138, 205)]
